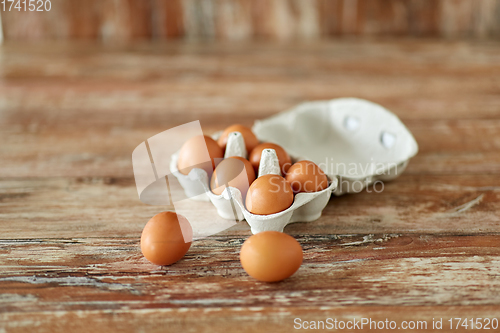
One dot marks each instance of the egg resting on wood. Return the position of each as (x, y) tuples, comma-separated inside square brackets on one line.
[(166, 238), (271, 256)]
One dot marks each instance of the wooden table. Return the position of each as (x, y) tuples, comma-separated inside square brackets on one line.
[(70, 218)]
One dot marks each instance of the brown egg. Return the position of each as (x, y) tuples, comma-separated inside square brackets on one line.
[(271, 256), (283, 157), (269, 194), (234, 171), (306, 176), (251, 140), (199, 152), (166, 238)]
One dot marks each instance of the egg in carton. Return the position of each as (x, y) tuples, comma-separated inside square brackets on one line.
[(306, 207), (347, 132)]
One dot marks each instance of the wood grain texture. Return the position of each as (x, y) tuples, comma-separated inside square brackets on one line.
[(70, 219), (252, 319), (110, 20), (78, 110), (403, 277), (74, 207), (167, 20)]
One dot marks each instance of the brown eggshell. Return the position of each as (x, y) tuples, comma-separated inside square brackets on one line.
[(234, 171), (271, 256), (166, 238), (305, 177), (199, 152), (269, 194), (251, 140), (284, 159)]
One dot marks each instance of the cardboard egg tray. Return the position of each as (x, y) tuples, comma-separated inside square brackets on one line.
[(355, 142)]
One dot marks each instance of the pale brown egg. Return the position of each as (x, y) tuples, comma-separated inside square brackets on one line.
[(284, 159), (166, 238), (199, 152), (306, 176), (269, 194), (271, 256), (251, 140), (234, 171)]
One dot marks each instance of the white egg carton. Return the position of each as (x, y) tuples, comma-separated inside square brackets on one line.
[(306, 206), (347, 132)]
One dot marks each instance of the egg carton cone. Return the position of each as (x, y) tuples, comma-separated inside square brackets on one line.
[(306, 207), (353, 140), (225, 202)]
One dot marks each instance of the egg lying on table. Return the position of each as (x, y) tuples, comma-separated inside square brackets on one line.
[(166, 238), (234, 171), (305, 177), (271, 256), (269, 194), (201, 152)]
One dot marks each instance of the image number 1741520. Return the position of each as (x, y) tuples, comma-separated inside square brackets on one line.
[(26, 5)]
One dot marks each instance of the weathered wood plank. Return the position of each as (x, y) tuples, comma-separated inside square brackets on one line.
[(415, 79), (167, 19), (245, 319), (41, 144), (250, 19), (388, 266), (118, 96), (399, 277), (62, 207), (479, 100), (414, 57)]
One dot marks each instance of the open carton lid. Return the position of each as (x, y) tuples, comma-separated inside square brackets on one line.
[(347, 138)]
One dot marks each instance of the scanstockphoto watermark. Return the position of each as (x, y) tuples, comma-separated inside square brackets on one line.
[(389, 325), (359, 324)]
